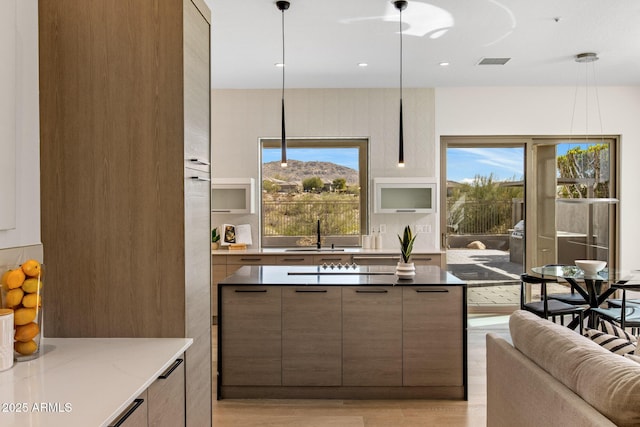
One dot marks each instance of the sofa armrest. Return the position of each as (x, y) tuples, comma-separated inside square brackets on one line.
[(520, 393)]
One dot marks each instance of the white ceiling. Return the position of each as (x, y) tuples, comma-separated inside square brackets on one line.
[(326, 39)]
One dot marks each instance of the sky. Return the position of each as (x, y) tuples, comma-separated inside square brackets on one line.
[(341, 156), (463, 164)]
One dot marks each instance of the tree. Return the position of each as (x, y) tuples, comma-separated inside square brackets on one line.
[(314, 183), (589, 168), (270, 186), (483, 206), (339, 184)]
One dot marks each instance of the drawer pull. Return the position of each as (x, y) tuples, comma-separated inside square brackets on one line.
[(200, 178), (310, 291), (375, 257), (371, 291), (331, 259), (247, 291), (199, 161), (432, 291), (220, 210), (421, 259), (293, 259), (405, 210), (131, 409), (172, 368)]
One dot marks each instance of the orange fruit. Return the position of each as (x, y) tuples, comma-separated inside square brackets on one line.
[(13, 298), (24, 315), (31, 300), (32, 285), (25, 348), (15, 278), (27, 332), (31, 268), (3, 281)]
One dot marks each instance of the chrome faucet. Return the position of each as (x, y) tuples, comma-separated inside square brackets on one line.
[(318, 244)]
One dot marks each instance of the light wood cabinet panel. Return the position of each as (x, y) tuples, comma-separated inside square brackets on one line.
[(430, 259), (124, 98), (331, 258), (294, 259), (311, 336), (250, 259), (251, 336), (372, 336), (219, 273), (166, 400), (433, 354)]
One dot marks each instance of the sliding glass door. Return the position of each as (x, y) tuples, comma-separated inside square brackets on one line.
[(512, 203)]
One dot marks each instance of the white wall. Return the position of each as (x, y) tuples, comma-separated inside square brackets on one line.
[(27, 132), (241, 117), (8, 115), (548, 111)]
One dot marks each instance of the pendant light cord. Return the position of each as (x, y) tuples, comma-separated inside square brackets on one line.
[(283, 63), (400, 22)]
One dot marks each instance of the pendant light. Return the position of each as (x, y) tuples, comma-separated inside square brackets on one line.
[(400, 5), (282, 6)]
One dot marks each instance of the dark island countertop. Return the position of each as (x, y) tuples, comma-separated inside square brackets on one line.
[(338, 275)]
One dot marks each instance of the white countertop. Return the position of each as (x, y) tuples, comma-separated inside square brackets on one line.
[(83, 381), (325, 250)]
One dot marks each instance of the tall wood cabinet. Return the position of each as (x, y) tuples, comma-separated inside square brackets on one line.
[(125, 175)]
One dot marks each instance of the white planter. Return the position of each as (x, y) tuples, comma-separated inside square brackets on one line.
[(405, 270)]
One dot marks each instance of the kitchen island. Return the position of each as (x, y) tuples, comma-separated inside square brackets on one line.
[(96, 382), (347, 332)]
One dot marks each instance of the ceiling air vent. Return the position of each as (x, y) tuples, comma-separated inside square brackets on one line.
[(493, 61)]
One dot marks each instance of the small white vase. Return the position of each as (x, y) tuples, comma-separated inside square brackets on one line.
[(405, 270)]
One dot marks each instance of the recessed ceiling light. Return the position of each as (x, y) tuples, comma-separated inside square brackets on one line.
[(363, 64), (279, 64), (444, 64)]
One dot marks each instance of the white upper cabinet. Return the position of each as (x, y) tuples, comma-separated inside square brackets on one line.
[(233, 195), (405, 195)]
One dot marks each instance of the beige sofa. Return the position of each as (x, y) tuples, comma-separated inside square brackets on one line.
[(552, 376)]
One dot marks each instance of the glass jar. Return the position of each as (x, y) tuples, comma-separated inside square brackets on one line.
[(22, 293)]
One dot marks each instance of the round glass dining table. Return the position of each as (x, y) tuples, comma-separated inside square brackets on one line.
[(592, 291), (596, 289)]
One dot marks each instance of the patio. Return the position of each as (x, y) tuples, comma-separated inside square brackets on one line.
[(491, 278)]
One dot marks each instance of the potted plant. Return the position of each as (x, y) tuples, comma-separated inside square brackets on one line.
[(406, 269), (215, 239)]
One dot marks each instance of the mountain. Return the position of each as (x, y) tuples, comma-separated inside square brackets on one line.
[(297, 171)]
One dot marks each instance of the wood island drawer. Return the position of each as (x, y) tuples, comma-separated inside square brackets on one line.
[(294, 259), (331, 258), (247, 259), (426, 259)]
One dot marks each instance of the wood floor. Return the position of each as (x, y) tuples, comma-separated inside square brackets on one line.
[(361, 413)]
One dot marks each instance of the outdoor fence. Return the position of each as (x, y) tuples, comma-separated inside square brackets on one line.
[(473, 217), (301, 218)]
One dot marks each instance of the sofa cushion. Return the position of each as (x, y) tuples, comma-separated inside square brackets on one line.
[(612, 343), (606, 381)]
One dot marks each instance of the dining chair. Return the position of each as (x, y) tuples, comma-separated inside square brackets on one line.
[(546, 307), (572, 297), (625, 312)]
